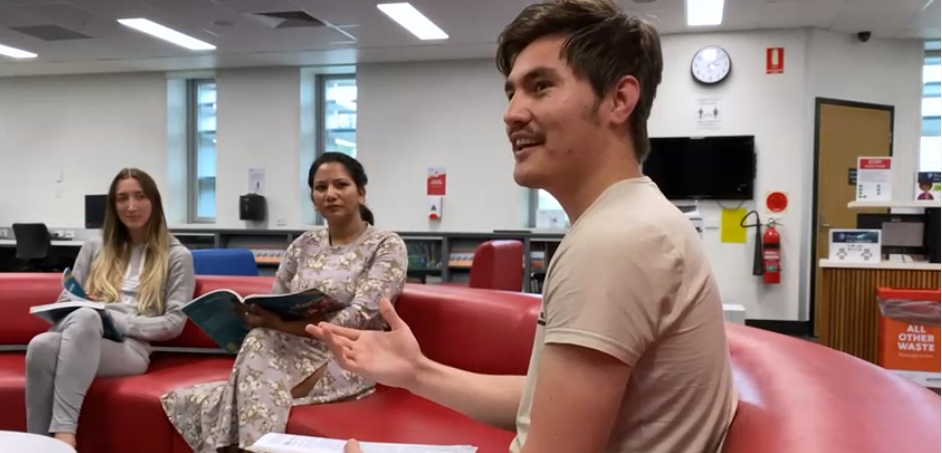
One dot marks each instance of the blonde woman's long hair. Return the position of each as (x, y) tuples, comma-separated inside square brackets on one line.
[(108, 270)]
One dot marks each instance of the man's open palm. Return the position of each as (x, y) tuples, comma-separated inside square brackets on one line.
[(389, 358)]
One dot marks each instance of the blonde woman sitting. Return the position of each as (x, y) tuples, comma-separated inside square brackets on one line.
[(143, 274), (279, 365)]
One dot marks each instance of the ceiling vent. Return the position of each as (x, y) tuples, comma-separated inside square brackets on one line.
[(50, 32), (287, 19)]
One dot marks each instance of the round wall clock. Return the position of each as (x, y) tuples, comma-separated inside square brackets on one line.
[(711, 65)]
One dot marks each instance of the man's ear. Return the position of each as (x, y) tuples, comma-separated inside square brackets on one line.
[(625, 96)]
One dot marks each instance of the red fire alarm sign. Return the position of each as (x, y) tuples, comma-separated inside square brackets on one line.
[(775, 60)]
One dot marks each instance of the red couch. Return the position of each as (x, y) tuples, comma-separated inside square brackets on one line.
[(795, 396)]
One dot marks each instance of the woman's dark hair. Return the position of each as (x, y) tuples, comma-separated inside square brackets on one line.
[(354, 168)]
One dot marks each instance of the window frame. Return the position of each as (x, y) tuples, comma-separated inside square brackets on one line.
[(192, 150)]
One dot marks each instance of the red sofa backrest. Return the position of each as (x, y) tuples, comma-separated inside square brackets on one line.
[(799, 397), (498, 264), (478, 330), (473, 329), (18, 292)]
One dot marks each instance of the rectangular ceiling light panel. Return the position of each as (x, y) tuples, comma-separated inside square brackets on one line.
[(704, 12), (13, 52), (414, 21), (167, 34)]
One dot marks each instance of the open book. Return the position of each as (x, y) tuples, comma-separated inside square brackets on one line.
[(55, 312), (220, 313), (290, 443)]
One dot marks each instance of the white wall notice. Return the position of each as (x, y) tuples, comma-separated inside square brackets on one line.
[(708, 114), (257, 181)]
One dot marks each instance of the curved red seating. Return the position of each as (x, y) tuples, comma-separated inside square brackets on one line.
[(795, 396)]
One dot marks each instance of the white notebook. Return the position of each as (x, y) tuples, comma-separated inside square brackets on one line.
[(290, 443)]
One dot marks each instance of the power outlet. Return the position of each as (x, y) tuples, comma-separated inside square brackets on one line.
[(70, 234), (281, 222), (3, 233), (58, 233)]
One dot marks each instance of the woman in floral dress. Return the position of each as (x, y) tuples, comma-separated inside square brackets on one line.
[(279, 366)]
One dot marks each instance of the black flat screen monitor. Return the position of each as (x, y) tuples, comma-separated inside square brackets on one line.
[(95, 206), (707, 168)]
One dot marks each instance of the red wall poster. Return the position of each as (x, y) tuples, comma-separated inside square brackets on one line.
[(436, 181)]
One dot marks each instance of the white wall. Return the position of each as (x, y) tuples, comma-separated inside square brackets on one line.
[(448, 114), (416, 115), (751, 103), (84, 128), (258, 126)]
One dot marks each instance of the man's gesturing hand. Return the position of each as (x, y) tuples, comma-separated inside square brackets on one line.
[(352, 446), (389, 358)]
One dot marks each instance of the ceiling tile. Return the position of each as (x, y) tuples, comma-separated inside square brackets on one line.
[(343, 12), (882, 19), (26, 2), (258, 6), (58, 13), (798, 14), (112, 10), (12, 17)]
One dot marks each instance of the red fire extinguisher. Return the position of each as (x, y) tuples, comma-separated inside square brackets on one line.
[(771, 255)]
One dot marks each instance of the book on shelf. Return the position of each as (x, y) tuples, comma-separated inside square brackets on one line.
[(56, 311), (220, 313), (290, 443)]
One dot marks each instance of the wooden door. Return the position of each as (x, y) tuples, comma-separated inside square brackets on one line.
[(844, 131)]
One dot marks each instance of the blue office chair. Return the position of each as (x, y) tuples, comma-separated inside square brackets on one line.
[(224, 262)]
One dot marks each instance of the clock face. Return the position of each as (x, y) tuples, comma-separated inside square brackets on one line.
[(711, 65)]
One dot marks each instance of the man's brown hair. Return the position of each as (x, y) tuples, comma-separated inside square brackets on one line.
[(603, 45)]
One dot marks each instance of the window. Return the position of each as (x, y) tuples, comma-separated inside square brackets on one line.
[(340, 114), (336, 119), (549, 213), (930, 156), (201, 150)]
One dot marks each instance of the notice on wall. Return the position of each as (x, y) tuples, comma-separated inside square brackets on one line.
[(257, 181), (708, 114), (928, 185), (874, 178), (731, 229), (909, 334), (437, 181), (775, 60), (854, 246)]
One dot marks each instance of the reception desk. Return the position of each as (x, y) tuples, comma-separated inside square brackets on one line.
[(847, 313)]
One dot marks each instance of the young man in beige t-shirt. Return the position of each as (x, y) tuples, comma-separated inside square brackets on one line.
[(638, 288), (630, 352)]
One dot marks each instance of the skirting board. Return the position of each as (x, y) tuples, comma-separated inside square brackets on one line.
[(792, 328)]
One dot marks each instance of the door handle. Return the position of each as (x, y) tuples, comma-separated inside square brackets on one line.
[(822, 225)]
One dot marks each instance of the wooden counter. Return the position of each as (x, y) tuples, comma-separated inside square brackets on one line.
[(847, 314)]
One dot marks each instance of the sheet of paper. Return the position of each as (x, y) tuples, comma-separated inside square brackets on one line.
[(731, 231), (289, 443)]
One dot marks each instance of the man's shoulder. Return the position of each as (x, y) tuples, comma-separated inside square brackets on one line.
[(615, 232)]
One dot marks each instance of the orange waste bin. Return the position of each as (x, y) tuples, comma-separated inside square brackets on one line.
[(909, 334)]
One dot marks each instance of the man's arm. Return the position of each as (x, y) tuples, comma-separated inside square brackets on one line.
[(576, 400), (486, 398)]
